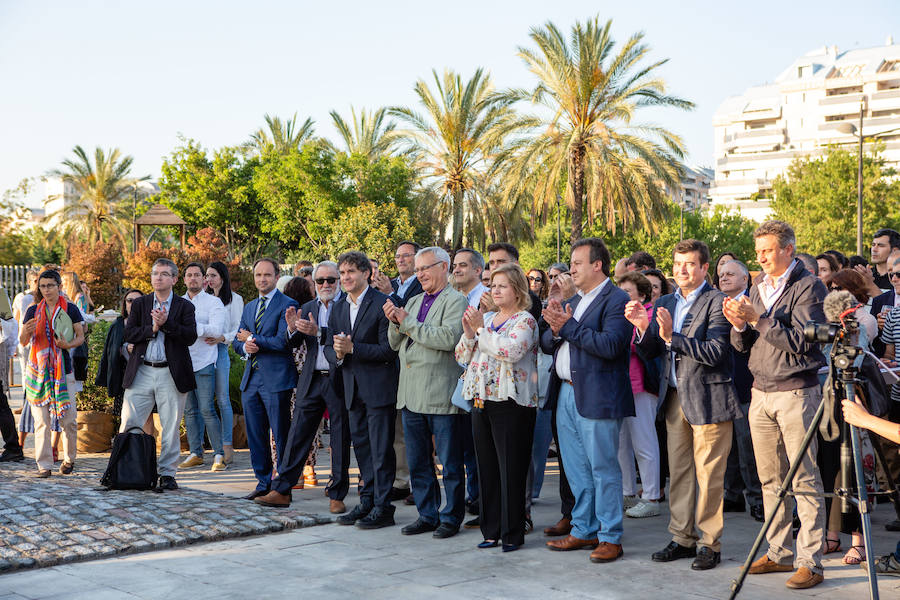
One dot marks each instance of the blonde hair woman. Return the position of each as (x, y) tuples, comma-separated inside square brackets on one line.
[(500, 350)]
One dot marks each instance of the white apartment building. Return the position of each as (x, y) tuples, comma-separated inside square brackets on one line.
[(808, 108), (695, 185)]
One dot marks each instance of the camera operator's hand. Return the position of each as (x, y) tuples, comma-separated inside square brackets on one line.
[(856, 414)]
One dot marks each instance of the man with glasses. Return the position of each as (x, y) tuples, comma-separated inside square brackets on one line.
[(425, 334), (886, 309), (883, 303), (162, 327), (406, 284), (316, 393)]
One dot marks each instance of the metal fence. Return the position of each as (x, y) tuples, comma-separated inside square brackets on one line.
[(12, 278)]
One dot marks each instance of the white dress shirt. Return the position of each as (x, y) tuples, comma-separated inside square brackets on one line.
[(354, 307), (771, 289), (209, 313), (563, 358), (156, 347), (402, 286), (474, 297)]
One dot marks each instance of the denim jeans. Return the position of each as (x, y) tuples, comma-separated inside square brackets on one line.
[(200, 411), (223, 401), (543, 435), (418, 429)]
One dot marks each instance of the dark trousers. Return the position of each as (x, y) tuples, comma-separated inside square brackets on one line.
[(308, 413), (372, 431), (740, 473), (503, 433), (418, 429), (265, 410), (567, 498), (469, 459), (8, 426)]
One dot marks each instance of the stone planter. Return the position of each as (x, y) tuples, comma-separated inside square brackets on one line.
[(95, 431), (239, 432)]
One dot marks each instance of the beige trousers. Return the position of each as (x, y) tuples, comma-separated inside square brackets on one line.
[(43, 449), (698, 455), (778, 423)]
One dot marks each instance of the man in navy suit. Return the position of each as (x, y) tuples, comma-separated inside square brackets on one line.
[(589, 338), (883, 303), (269, 375), (317, 391), (357, 348), (700, 403)]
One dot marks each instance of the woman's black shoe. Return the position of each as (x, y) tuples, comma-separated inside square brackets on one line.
[(489, 544), (511, 547)]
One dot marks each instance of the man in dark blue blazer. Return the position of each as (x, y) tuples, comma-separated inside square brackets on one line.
[(317, 391), (357, 348), (269, 375), (693, 336), (589, 339), (885, 302)]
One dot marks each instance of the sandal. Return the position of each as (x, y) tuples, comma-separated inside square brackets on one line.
[(858, 555), (832, 546)]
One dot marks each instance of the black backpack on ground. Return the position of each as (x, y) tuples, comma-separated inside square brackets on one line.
[(132, 462)]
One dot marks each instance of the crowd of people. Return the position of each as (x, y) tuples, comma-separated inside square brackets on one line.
[(472, 369)]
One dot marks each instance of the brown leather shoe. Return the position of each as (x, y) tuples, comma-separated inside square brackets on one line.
[(804, 578), (562, 527), (606, 552), (274, 499), (336, 507), (570, 542), (765, 564)]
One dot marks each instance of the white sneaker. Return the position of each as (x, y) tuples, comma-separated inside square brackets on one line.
[(219, 463), (643, 509), (630, 501), (191, 461)]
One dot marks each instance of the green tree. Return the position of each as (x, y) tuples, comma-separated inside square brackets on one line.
[(817, 196), (464, 125), (373, 228), (377, 180), (367, 133), (99, 213), (586, 140), (281, 136)]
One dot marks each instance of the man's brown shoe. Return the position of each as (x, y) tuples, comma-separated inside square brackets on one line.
[(767, 565), (804, 578), (337, 507), (562, 527), (274, 499), (606, 552), (570, 542)]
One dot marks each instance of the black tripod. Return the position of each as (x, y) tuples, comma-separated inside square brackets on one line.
[(845, 360)]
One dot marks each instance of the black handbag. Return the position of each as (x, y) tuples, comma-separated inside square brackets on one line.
[(132, 462)]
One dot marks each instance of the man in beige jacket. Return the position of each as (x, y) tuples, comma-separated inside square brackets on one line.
[(425, 333)]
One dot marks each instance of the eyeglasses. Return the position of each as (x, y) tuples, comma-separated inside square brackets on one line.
[(407, 255), (306, 271), (536, 278), (893, 275), (420, 270), (324, 280)]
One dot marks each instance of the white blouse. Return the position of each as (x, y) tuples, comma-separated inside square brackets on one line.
[(233, 314), (502, 364)]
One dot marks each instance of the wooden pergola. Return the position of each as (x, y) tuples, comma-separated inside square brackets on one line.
[(157, 216)]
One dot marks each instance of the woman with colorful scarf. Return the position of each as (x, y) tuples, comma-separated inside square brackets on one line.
[(50, 385)]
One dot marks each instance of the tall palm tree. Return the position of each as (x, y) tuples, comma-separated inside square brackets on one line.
[(586, 141), (369, 134), (465, 123), (281, 136), (101, 209)]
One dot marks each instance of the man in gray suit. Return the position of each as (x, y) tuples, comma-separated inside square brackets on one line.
[(700, 403)]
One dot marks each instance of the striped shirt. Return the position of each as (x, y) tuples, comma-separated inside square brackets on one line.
[(891, 335)]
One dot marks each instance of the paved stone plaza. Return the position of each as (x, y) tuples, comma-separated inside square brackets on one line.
[(330, 560)]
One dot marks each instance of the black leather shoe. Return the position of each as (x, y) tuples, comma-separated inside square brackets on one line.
[(445, 530), (757, 513), (674, 551), (376, 519), (255, 494), (359, 511), (418, 527), (167, 483), (511, 547), (472, 507), (706, 559), (893, 525), (12, 456), (398, 494), (473, 523), (734, 505)]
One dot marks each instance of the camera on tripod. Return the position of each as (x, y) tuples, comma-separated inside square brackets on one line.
[(843, 336)]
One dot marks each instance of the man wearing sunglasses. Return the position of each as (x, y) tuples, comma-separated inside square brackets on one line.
[(883, 303), (316, 392)]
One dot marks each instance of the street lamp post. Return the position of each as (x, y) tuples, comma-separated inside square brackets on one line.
[(558, 230)]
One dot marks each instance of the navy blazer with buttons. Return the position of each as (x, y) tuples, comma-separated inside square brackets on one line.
[(312, 345), (599, 355), (371, 371), (275, 357), (703, 361)]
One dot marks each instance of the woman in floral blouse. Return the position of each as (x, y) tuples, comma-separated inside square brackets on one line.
[(500, 349)]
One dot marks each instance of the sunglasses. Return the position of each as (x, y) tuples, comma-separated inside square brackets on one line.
[(894, 275), (537, 278), (323, 280)]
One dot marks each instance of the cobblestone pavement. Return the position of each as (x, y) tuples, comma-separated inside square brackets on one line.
[(45, 522)]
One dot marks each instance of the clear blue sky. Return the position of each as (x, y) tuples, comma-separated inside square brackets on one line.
[(136, 75)]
